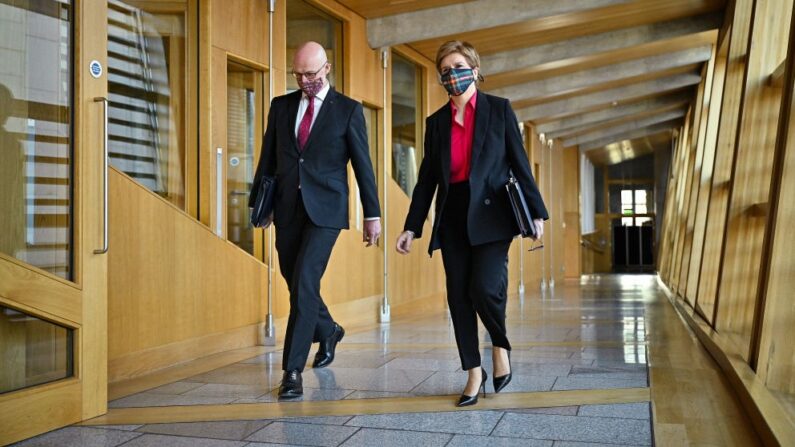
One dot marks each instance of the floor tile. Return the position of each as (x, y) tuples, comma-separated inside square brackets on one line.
[(381, 379), (80, 436), (175, 388), (625, 411), (165, 400), (455, 422), (303, 434), (231, 391), (179, 441), (575, 428), (495, 441), (231, 430), (424, 364), (321, 420), (310, 394), (368, 437), (375, 395), (564, 411), (575, 383)]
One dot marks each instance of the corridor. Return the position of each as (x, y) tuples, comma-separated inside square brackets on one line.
[(602, 361)]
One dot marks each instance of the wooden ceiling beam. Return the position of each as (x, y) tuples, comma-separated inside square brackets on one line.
[(551, 28), (606, 98), (624, 128), (606, 76), (607, 124), (583, 121), (638, 133), (469, 17), (619, 45)]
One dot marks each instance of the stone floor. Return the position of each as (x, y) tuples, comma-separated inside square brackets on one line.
[(585, 335)]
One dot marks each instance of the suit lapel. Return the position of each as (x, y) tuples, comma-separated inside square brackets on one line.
[(292, 111), (482, 115), (445, 126), (321, 119)]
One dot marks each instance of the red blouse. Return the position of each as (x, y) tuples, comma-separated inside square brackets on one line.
[(461, 142)]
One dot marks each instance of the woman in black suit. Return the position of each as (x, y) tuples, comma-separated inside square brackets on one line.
[(471, 145)]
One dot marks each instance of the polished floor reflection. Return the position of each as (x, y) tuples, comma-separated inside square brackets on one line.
[(593, 336)]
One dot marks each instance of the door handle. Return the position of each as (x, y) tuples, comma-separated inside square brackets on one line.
[(105, 241)]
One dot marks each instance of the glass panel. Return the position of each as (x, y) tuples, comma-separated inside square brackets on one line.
[(626, 221), (641, 209), (640, 197), (244, 130), (32, 351), (406, 100), (642, 221), (306, 23), (36, 134), (626, 197), (147, 87)]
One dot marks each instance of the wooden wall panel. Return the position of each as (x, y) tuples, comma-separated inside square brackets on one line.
[(752, 175), (731, 111), (776, 363), (683, 194), (242, 27), (696, 140), (171, 280), (707, 167)]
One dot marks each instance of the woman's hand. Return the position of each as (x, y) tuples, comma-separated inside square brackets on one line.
[(404, 242), (539, 224)]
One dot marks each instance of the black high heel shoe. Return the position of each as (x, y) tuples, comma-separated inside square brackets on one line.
[(465, 401), (503, 381)]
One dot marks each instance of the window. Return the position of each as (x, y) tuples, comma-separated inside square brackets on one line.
[(147, 87), (635, 201), (245, 93), (306, 23), (406, 113), (36, 134), (32, 351)]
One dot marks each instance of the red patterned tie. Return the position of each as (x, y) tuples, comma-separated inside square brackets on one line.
[(306, 123)]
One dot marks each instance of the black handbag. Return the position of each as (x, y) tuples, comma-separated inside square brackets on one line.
[(524, 220), (262, 212)]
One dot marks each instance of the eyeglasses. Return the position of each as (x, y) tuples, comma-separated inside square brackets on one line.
[(534, 247), (309, 75)]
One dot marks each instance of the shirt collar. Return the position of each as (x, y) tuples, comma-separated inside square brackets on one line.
[(470, 104), (321, 95)]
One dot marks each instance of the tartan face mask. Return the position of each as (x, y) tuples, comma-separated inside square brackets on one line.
[(457, 80)]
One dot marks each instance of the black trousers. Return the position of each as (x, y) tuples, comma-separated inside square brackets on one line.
[(477, 279), (304, 250)]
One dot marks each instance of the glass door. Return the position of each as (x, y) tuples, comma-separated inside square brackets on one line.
[(53, 230)]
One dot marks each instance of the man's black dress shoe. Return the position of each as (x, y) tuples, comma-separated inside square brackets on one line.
[(325, 353), (292, 385)]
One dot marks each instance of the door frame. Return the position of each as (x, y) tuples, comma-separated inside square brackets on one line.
[(81, 304)]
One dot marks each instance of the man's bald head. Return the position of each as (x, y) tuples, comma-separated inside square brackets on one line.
[(311, 57)]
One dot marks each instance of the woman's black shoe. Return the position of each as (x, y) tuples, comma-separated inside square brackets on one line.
[(465, 401), (503, 381)]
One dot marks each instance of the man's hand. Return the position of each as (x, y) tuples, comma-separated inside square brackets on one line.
[(404, 242), (539, 224), (372, 230)]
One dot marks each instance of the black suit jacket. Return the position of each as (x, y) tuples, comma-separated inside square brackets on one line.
[(496, 148), (321, 169)]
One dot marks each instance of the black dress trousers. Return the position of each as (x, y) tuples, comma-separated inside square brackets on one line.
[(477, 279), (304, 251)]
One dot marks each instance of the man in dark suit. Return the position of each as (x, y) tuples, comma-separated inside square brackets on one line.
[(312, 133)]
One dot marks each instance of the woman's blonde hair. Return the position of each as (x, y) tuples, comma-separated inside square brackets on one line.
[(461, 47)]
